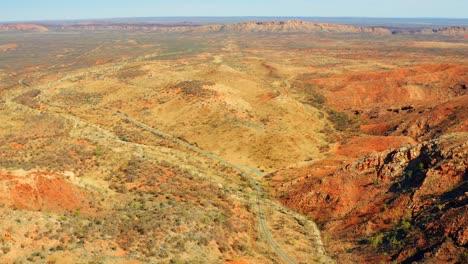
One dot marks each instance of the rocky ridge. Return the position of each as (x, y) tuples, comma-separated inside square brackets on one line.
[(410, 203), (289, 26), (292, 26)]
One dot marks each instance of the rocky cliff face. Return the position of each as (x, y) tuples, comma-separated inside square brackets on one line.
[(405, 205)]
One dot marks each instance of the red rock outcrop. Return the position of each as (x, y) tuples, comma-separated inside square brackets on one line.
[(410, 203)]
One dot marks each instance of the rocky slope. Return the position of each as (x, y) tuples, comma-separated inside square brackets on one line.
[(419, 84), (422, 101), (404, 205), (433, 121)]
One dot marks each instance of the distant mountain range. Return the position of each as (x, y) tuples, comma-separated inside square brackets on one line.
[(289, 26)]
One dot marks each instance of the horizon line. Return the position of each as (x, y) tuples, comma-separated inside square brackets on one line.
[(282, 16)]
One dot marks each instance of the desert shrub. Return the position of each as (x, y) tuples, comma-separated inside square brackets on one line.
[(29, 98), (312, 96), (73, 96), (98, 151), (195, 88), (5, 249), (342, 121), (131, 73), (376, 240), (314, 99)]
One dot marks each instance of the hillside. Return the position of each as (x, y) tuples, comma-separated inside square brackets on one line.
[(403, 205), (264, 142)]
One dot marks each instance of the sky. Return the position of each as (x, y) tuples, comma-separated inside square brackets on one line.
[(30, 10)]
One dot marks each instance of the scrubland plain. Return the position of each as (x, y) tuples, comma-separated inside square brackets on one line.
[(363, 131)]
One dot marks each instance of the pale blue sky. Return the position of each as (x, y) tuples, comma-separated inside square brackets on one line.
[(22, 10)]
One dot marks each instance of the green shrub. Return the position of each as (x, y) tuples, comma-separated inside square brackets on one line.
[(377, 240), (98, 152)]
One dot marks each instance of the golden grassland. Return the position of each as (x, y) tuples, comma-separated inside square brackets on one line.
[(264, 102)]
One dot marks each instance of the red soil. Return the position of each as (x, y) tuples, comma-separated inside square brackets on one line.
[(239, 261), (42, 191), (362, 146), (376, 195), (100, 62), (424, 83)]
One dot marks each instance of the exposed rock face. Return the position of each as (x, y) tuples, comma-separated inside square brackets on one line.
[(410, 203), (23, 27)]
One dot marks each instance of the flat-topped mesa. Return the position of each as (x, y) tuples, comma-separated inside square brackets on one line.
[(23, 27), (298, 26), (290, 26)]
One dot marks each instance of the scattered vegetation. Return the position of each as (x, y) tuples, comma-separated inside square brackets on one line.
[(29, 98), (130, 73), (342, 121), (195, 88), (73, 96)]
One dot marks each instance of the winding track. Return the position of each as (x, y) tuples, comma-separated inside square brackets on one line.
[(261, 216)]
